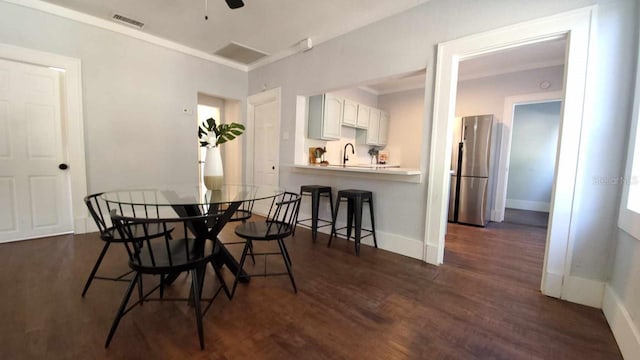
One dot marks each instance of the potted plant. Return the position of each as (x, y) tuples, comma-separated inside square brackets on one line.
[(210, 136)]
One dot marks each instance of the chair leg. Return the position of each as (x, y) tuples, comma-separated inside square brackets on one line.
[(283, 250), (121, 309), (373, 223), (95, 267), (221, 279), (240, 265), (253, 259), (195, 286), (140, 290), (161, 286), (286, 253), (333, 225), (357, 214)]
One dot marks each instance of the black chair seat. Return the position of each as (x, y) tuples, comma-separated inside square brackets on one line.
[(263, 230), (156, 259)]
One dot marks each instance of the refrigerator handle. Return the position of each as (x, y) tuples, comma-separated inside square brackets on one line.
[(464, 133)]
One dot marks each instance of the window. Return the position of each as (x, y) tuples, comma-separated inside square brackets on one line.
[(629, 220)]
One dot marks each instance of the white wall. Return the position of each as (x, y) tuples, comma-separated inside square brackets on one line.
[(622, 295), (534, 145), (133, 96), (407, 42), (406, 114)]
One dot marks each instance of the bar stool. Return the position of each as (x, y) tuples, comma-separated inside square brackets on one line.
[(316, 192), (355, 199)]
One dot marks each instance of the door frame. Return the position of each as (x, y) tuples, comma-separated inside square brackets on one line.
[(253, 101), (578, 28), (502, 174), (72, 122)]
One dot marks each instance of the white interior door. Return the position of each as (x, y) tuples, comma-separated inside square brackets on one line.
[(34, 192), (264, 115)]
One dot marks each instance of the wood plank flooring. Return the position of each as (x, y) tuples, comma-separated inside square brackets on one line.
[(483, 303)]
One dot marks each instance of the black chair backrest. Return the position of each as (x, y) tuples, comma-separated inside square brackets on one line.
[(161, 251), (100, 212), (283, 213)]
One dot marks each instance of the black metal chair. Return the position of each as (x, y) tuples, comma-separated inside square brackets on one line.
[(166, 256), (278, 225), (99, 211)]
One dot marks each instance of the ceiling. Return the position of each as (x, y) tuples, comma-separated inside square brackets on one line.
[(273, 27), (533, 56)]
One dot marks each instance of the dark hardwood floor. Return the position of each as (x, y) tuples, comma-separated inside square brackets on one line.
[(526, 217), (483, 303)]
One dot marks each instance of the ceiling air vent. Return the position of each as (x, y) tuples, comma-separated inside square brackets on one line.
[(240, 53), (128, 21)]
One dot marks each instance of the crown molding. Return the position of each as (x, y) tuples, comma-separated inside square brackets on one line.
[(124, 30)]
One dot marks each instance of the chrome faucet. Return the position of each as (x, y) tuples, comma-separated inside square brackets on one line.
[(345, 158)]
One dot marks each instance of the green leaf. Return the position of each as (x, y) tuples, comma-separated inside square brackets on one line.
[(236, 132)]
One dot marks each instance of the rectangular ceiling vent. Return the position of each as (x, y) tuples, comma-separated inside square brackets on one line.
[(128, 21), (240, 53)]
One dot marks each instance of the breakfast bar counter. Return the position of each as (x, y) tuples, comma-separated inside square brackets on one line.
[(377, 172)]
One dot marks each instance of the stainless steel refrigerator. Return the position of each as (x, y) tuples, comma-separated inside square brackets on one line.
[(470, 170)]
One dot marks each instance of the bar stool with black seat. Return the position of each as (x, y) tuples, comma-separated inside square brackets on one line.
[(278, 225), (355, 200), (99, 211), (166, 255), (316, 192)]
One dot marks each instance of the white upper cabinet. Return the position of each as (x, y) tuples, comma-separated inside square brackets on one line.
[(373, 129), (378, 130), (383, 128), (325, 117), (349, 113), (363, 116)]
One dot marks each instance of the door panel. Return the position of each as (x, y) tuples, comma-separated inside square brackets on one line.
[(266, 150), (476, 136), (7, 205), (473, 200), (34, 193)]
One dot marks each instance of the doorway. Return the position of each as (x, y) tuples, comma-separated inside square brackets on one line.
[(263, 125), (222, 111), (574, 25), (532, 158)]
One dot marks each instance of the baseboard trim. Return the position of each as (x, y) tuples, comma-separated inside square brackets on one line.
[(583, 291), (391, 242), (528, 205), (624, 330), (552, 285)]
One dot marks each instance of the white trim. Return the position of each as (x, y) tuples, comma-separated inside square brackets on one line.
[(266, 96), (624, 330), (124, 30), (386, 241), (577, 26), (528, 205), (552, 284), (502, 173), (583, 291), (73, 124)]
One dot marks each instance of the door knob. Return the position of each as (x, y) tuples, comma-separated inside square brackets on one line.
[(273, 168), (63, 166)]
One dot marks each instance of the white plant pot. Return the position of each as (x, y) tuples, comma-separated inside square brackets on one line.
[(213, 173)]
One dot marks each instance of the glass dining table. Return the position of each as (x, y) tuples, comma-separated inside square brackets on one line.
[(190, 200)]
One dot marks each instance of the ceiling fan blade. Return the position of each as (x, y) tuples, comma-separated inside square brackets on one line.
[(234, 4)]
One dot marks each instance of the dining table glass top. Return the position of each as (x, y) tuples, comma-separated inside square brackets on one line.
[(184, 195)]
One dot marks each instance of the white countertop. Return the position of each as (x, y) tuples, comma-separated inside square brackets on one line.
[(382, 172)]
